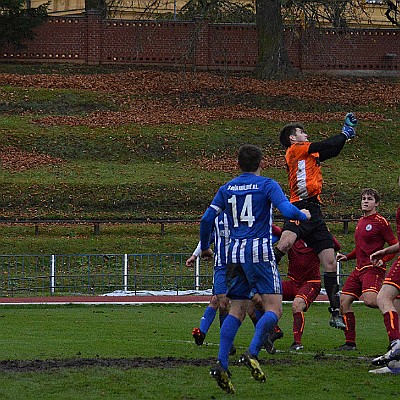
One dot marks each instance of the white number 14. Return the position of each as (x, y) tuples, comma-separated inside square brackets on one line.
[(246, 214)]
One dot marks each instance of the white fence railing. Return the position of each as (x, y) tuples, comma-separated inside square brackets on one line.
[(95, 274), (24, 275)]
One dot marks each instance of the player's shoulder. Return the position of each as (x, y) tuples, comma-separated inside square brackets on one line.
[(381, 219), (298, 148)]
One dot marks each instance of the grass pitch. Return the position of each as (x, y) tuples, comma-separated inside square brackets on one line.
[(147, 352)]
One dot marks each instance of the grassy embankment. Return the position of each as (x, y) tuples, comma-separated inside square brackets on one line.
[(115, 169)]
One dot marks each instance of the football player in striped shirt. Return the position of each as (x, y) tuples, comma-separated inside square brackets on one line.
[(248, 201), (219, 301)]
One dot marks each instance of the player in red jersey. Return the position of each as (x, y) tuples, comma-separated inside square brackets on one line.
[(303, 285), (371, 234), (389, 301), (303, 161)]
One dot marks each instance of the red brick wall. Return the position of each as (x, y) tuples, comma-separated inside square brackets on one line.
[(59, 39), (92, 40), (363, 49)]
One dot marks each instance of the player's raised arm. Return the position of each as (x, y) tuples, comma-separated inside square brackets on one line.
[(332, 146)]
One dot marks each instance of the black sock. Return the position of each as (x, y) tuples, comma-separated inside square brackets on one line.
[(332, 289)]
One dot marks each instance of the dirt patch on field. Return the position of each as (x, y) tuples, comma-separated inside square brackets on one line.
[(156, 362), (123, 363)]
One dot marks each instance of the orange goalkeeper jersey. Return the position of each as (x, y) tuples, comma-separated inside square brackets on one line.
[(305, 176)]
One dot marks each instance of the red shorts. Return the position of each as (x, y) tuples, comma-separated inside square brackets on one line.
[(365, 280), (393, 276), (308, 290)]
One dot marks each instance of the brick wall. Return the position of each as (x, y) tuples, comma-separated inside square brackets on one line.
[(92, 40)]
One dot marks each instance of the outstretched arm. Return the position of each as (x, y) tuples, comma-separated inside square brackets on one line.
[(331, 147), (328, 148)]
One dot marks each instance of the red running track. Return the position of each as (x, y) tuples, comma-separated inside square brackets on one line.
[(111, 299)]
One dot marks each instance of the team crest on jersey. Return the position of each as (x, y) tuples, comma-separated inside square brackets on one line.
[(368, 227)]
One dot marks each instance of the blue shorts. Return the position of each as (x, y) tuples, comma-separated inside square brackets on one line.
[(245, 279), (219, 284)]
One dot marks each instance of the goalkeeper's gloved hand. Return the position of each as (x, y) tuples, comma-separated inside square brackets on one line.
[(348, 131), (350, 120)]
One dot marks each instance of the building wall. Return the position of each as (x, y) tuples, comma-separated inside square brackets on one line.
[(373, 12), (90, 39)]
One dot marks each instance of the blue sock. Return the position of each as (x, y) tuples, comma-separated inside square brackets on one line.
[(222, 318), (227, 335), (263, 327), (207, 319)]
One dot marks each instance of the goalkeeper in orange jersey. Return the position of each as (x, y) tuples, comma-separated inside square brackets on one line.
[(303, 161)]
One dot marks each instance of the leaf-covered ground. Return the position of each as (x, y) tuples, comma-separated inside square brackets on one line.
[(159, 97), (152, 97)]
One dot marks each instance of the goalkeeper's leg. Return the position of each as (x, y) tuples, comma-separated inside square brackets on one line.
[(327, 258)]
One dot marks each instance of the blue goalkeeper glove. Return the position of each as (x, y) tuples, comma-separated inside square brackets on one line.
[(348, 131), (350, 120)]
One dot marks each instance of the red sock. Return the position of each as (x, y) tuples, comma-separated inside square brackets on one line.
[(298, 326), (350, 331), (391, 321)]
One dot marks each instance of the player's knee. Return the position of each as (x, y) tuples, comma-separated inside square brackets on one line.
[(214, 302), (345, 303), (371, 301), (298, 305), (223, 303)]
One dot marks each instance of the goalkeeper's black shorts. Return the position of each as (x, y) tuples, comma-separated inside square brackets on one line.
[(314, 231)]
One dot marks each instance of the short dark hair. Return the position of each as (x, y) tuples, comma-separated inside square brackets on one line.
[(249, 157), (371, 192), (288, 130)]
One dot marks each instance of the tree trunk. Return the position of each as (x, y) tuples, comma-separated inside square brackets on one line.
[(273, 60)]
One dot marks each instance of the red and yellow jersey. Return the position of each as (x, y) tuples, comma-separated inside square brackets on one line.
[(304, 171), (371, 234)]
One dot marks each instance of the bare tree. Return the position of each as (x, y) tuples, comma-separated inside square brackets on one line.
[(393, 12), (273, 60), (270, 16)]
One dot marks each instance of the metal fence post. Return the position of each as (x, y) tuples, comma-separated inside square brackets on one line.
[(53, 274), (126, 272), (197, 273)]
